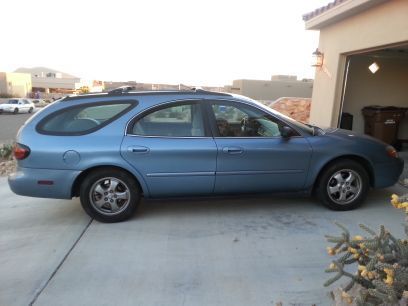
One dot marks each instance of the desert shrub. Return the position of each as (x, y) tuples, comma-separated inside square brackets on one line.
[(6, 151), (381, 261)]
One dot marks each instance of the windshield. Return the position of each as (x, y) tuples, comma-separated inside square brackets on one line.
[(304, 127)]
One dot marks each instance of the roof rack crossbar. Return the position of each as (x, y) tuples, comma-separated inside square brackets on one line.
[(121, 90)]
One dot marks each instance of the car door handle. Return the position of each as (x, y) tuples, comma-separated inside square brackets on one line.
[(138, 149), (233, 150)]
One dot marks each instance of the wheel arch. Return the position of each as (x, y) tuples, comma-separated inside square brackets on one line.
[(75, 190), (361, 160)]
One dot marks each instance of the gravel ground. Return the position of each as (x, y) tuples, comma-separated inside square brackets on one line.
[(404, 176), (7, 167)]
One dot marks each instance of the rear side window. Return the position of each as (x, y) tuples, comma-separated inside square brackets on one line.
[(83, 119)]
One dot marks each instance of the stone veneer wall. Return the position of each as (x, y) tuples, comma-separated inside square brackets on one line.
[(296, 108)]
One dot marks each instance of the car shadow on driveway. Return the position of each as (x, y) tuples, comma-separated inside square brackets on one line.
[(155, 208)]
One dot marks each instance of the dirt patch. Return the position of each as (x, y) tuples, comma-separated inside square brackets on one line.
[(7, 167)]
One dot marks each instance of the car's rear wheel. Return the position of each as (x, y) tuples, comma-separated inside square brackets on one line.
[(343, 185), (109, 195), (15, 111)]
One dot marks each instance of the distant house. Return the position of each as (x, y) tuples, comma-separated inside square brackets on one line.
[(49, 81), (363, 59), (15, 84), (279, 86)]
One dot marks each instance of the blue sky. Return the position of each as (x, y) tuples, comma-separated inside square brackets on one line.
[(193, 42)]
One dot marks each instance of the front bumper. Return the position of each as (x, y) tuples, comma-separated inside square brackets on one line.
[(387, 174), (30, 182)]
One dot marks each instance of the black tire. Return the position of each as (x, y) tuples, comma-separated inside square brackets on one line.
[(105, 178), (30, 110), (339, 175), (15, 111)]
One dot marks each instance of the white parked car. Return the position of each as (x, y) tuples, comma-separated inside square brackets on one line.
[(37, 101), (17, 106)]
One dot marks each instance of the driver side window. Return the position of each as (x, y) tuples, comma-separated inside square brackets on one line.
[(239, 120)]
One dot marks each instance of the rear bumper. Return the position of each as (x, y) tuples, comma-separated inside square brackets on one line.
[(43, 183), (387, 174), (7, 110)]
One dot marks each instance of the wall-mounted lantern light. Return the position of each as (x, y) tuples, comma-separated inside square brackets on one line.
[(374, 67), (317, 59)]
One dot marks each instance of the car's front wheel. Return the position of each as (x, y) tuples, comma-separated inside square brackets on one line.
[(343, 185), (30, 110), (109, 195)]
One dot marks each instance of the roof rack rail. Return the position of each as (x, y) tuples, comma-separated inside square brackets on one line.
[(130, 91), (121, 90)]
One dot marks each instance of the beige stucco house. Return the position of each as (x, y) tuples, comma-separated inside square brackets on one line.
[(354, 35), (15, 84), (51, 82)]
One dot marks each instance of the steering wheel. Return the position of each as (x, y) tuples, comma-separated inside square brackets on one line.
[(250, 126)]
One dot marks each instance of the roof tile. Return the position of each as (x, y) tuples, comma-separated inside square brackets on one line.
[(322, 9)]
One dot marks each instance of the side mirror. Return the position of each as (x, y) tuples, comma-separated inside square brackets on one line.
[(286, 131)]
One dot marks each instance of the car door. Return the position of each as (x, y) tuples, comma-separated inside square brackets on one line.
[(252, 154), (26, 105), (20, 106), (171, 146)]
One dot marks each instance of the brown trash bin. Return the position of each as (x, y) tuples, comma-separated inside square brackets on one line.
[(382, 122)]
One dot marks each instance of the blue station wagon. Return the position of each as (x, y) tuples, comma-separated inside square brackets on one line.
[(110, 149)]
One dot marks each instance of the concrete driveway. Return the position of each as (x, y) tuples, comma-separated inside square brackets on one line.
[(252, 251)]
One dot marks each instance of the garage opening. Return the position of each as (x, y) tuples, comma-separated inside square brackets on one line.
[(377, 78)]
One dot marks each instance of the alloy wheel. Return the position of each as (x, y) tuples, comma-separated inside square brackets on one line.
[(109, 196), (344, 186)]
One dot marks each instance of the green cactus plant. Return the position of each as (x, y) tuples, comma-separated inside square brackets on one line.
[(381, 259)]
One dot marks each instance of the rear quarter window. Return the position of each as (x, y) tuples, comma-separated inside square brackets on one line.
[(83, 119)]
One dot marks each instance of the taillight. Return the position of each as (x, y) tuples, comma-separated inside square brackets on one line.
[(20, 151), (392, 152)]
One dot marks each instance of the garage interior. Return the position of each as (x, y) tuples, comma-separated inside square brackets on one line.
[(376, 78)]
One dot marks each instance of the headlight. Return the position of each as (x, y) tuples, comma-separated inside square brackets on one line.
[(391, 151)]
